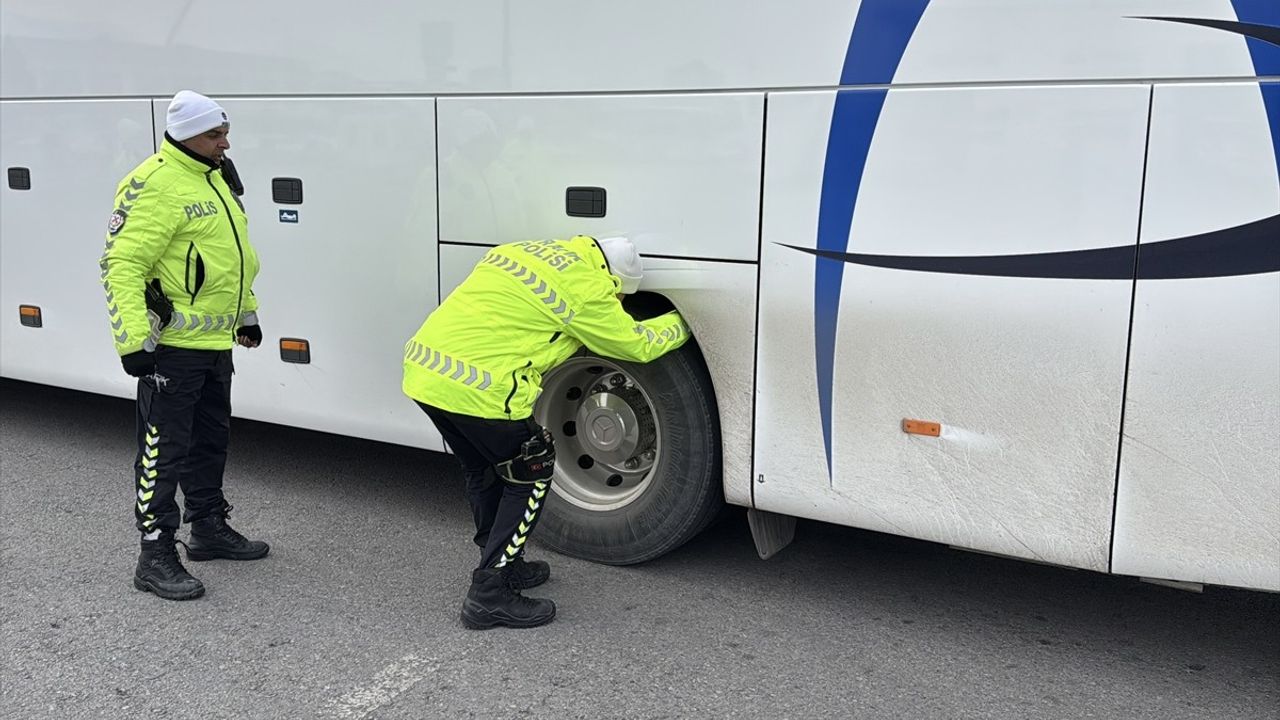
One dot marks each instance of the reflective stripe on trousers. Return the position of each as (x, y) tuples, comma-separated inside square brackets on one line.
[(521, 535), (150, 457)]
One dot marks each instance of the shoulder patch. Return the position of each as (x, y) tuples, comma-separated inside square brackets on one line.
[(117, 221)]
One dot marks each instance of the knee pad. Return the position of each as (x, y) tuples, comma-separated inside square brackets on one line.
[(535, 463)]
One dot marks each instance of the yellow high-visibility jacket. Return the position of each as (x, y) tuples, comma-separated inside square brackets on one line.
[(177, 221), (525, 308)]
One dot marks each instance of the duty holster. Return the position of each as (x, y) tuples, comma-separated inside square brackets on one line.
[(535, 463), (158, 303), (159, 312)]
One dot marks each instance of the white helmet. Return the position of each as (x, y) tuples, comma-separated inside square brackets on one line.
[(624, 262)]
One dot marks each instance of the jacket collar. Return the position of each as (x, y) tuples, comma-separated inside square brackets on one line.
[(178, 154), (598, 258), (593, 247)]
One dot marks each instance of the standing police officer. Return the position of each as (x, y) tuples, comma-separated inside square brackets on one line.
[(178, 271), (475, 367)]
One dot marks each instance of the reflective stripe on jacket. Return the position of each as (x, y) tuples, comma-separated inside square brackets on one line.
[(176, 220), (525, 308)]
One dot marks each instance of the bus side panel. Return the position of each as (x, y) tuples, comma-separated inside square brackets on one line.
[(681, 173), (53, 235), (1199, 495), (1022, 368), (682, 177), (1010, 40), (351, 270)]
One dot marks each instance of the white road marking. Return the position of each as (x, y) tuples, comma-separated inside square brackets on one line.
[(383, 688)]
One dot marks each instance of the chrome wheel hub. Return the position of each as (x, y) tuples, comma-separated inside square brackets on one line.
[(605, 431)]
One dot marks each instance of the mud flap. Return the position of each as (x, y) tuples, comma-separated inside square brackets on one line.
[(771, 531)]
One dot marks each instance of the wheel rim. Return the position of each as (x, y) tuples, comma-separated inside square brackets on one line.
[(606, 432)]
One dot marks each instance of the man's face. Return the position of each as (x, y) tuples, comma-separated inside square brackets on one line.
[(212, 144)]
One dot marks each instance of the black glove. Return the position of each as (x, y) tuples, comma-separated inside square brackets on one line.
[(139, 364), (252, 332)]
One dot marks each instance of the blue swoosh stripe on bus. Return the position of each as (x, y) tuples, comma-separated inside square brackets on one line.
[(1265, 52), (1265, 33), (1249, 249), (876, 45)]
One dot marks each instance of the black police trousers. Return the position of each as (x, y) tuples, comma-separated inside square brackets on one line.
[(505, 513), (184, 423)]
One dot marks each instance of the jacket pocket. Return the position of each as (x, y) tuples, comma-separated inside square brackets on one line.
[(194, 279)]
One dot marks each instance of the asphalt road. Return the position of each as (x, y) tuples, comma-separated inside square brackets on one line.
[(354, 613)]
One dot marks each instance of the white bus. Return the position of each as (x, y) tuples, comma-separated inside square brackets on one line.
[(999, 274)]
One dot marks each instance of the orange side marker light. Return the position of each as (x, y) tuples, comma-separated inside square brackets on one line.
[(922, 427), (294, 350), (30, 316)]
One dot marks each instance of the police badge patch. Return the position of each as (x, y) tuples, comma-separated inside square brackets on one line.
[(117, 221)]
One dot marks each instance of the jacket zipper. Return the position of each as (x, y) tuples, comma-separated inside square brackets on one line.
[(191, 284), (234, 233), (514, 385), (555, 336), (187, 279)]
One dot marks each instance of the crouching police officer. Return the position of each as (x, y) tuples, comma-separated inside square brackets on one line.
[(475, 367), (178, 271)]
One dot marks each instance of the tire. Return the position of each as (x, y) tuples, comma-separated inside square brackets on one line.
[(612, 501)]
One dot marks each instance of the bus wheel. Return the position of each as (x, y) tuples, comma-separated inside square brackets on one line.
[(637, 456)]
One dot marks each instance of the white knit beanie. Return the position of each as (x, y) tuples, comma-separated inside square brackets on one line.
[(191, 113), (624, 262)]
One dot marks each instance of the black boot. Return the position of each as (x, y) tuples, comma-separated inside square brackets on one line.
[(492, 601), (212, 539), (524, 574), (159, 571)]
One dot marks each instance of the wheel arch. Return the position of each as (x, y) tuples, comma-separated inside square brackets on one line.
[(718, 300)]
